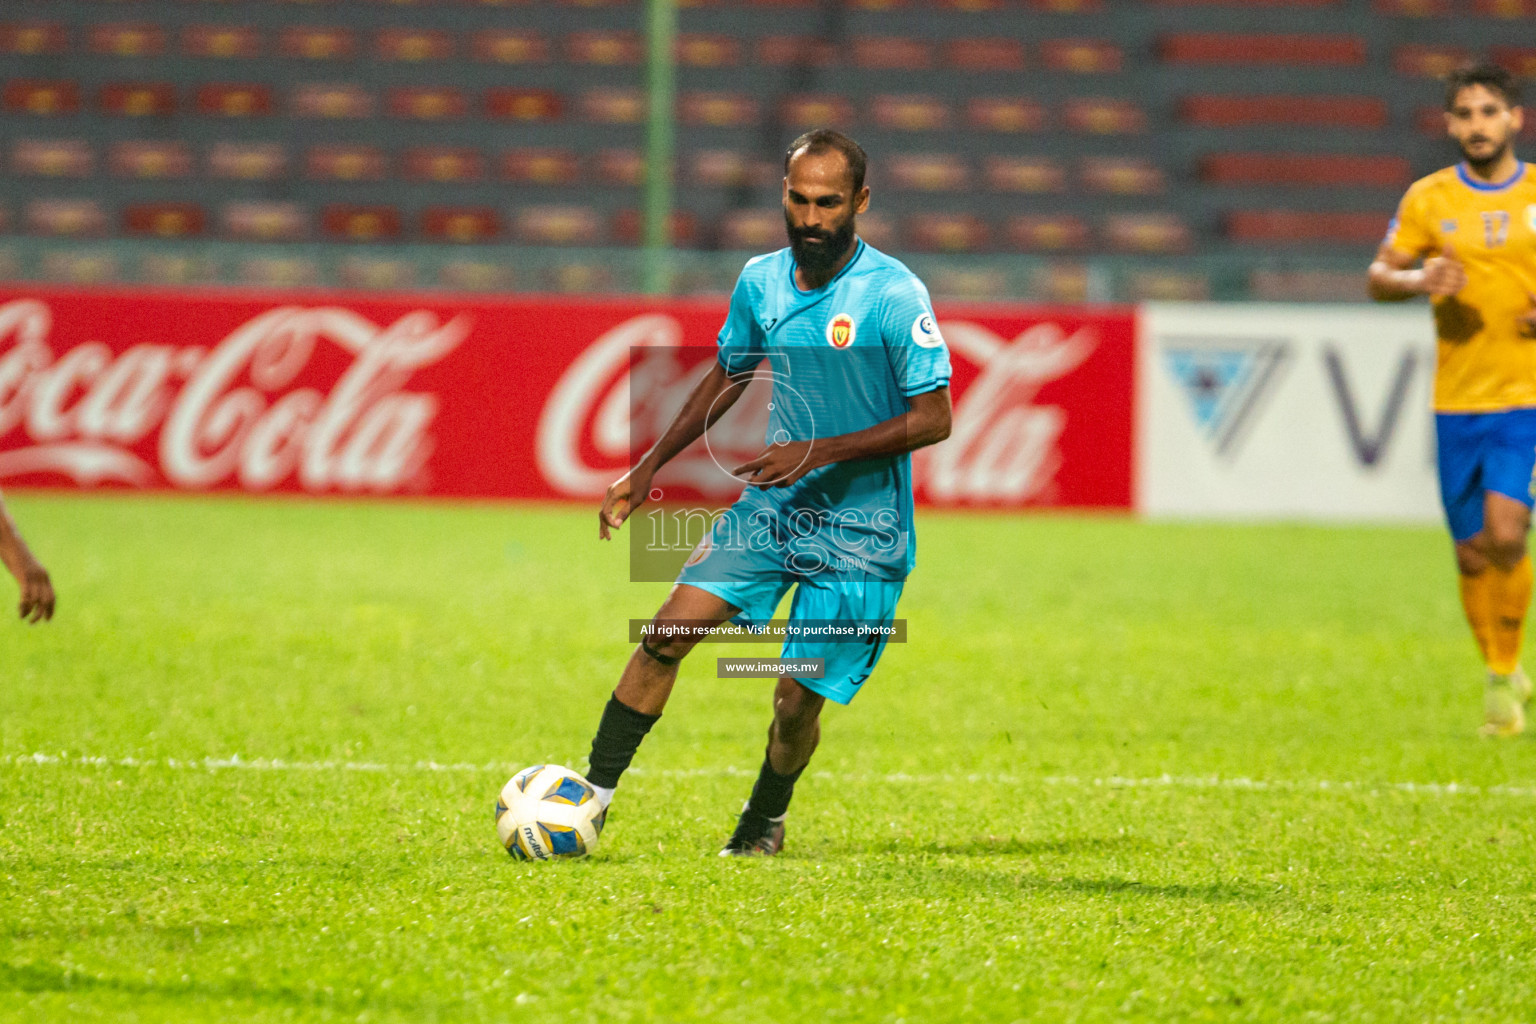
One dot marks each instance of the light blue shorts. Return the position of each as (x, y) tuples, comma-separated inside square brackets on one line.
[(756, 582)]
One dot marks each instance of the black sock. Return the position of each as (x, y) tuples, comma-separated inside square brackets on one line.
[(771, 792), (618, 737)]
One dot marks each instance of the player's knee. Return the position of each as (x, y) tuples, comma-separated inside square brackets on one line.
[(796, 708), (1470, 561), (1504, 540)]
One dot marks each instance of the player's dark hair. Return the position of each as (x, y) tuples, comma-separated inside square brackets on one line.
[(1486, 74), (820, 140)]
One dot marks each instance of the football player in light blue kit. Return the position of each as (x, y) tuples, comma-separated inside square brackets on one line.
[(860, 379)]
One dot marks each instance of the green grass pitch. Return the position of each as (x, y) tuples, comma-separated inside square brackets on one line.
[(1121, 771)]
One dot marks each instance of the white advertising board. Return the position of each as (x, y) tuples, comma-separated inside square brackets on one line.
[(1286, 412)]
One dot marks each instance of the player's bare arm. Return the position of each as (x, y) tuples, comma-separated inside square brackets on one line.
[(36, 589), (926, 421), (1393, 276), (710, 399)]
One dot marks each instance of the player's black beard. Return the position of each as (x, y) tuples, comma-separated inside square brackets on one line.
[(819, 258), (1481, 166)]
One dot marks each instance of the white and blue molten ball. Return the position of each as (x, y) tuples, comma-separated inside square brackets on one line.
[(548, 813)]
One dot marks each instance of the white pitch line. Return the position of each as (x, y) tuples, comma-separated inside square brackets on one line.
[(267, 764)]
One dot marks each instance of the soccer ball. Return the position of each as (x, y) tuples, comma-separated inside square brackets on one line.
[(548, 813)]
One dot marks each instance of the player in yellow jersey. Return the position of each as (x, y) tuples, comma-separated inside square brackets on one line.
[(1474, 227)]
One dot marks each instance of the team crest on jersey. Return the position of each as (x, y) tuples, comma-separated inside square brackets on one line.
[(1530, 216), (706, 545), (840, 331), (925, 332)]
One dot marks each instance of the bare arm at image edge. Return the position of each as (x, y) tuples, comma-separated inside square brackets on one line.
[(37, 598)]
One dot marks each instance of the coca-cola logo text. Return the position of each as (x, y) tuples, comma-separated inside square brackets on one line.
[(201, 417)]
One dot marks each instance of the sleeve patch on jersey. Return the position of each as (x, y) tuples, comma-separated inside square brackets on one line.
[(925, 332)]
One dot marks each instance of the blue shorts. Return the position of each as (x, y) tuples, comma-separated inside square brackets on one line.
[(756, 582), (1480, 452)]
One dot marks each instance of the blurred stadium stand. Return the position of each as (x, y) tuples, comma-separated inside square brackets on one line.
[(1061, 150)]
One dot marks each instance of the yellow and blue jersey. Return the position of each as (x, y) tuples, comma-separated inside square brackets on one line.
[(1485, 362)]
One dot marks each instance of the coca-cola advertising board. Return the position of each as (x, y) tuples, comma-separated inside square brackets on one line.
[(450, 396)]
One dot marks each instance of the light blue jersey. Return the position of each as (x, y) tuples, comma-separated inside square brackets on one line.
[(843, 357)]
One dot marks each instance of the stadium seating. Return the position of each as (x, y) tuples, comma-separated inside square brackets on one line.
[(1129, 130)]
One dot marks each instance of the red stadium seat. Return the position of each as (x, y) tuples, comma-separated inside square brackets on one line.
[(53, 158), (221, 41), (1245, 111), (65, 217), (613, 106), (559, 225), (1338, 170), (794, 51), (1126, 176), (703, 50), (442, 164), (136, 158), (729, 168), (138, 99), (816, 110), (165, 220), (1261, 49), (1004, 114), (346, 162), (475, 275), (894, 53), (1267, 285), (45, 98), (313, 43), (460, 224), (928, 172), (624, 168), (426, 103), (1052, 233), (1268, 227), (985, 54), (332, 100), (718, 109), (523, 105), (1505, 8), (1521, 60), (413, 45), (248, 161), (1082, 56), (605, 48), (1037, 174), (1147, 233), (540, 167), (277, 272), (629, 228), (910, 113), (1412, 8), (1068, 6), (355, 223), (758, 230), (1247, 3), (946, 232), (33, 38), (80, 267), (510, 46), (375, 274), (1096, 116), (1425, 61), (227, 99), (1167, 286), (144, 40)]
